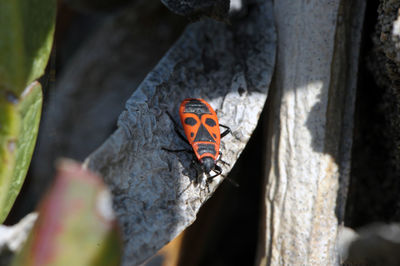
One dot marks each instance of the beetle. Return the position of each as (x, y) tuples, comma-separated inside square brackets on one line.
[(201, 126)]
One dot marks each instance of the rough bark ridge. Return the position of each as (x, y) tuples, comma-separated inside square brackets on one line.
[(375, 183), (385, 65), (155, 193), (311, 125)]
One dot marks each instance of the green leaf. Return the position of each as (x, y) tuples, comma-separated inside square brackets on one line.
[(19, 124), (26, 36)]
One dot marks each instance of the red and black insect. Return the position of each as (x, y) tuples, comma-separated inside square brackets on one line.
[(201, 127)]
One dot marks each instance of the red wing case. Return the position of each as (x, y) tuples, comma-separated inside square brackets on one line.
[(201, 127)]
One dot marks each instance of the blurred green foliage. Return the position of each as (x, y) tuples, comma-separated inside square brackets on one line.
[(19, 122), (26, 37)]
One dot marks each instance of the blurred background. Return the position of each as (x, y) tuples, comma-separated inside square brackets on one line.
[(83, 97)]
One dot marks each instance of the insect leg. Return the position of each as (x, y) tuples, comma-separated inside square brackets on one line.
[(226, 132), (218, 171), (178, 150), (176, 128), (198, 170), (208, 181), (220, 159)]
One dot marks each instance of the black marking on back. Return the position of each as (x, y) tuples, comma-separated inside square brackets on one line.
[(190, 121), (203, 135), (210, 122), (206, 148), (196, 107)]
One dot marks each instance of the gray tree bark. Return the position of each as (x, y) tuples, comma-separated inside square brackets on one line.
[(310, 130), (156, 193)]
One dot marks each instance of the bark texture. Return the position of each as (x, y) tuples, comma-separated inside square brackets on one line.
[(94, 85), (384, 63), (156, 195), (310, 125)]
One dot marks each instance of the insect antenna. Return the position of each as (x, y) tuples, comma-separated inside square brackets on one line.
[(218, 170), (233, 182)]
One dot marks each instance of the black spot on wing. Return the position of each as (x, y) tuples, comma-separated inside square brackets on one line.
[(190, 121), (210, 122)]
